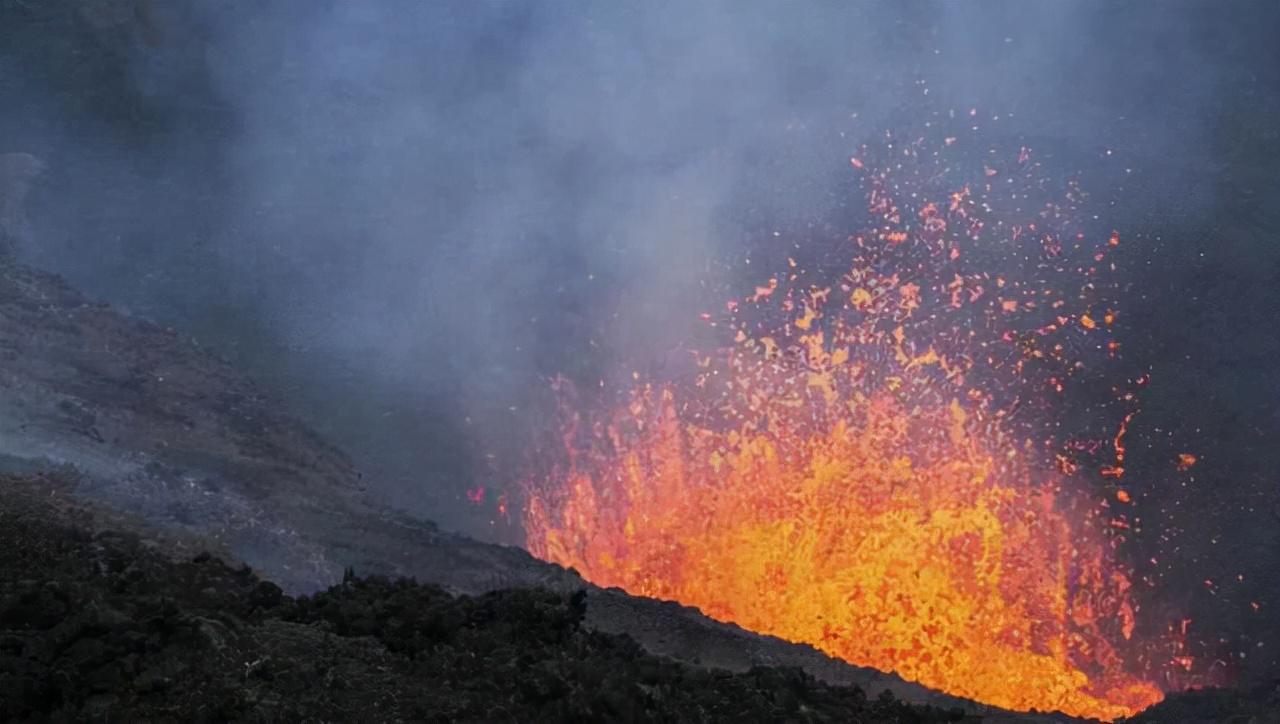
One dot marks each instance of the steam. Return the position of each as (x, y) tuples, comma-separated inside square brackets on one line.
[(405, 216), (17, 172)]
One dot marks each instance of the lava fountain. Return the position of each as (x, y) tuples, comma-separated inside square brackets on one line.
[(864, 456)]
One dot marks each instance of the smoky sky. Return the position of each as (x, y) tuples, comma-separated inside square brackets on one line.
[(405, 216)]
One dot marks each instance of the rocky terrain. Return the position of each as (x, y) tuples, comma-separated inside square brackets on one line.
[(131, 417), (138, 462), (125, 624)]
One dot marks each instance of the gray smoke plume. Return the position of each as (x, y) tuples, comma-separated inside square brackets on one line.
[(405, 216)]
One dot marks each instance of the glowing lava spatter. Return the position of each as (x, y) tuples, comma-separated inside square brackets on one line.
[(867, 462)]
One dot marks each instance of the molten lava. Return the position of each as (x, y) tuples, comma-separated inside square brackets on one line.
[(947, 568), (862, 463)]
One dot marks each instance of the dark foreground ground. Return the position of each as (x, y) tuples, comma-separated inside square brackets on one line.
[(100, 624)]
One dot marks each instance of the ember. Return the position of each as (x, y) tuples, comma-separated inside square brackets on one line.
[(868, 461)]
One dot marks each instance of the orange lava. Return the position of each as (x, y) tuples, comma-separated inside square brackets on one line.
[(847, 471), (946, 568)]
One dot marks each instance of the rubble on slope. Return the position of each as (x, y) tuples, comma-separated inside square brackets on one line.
[(141, 419), (104, 624)]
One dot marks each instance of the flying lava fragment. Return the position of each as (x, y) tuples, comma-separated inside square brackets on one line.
[(853, 467)]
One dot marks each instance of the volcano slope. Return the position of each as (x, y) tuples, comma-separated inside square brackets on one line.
[(108, 623), (113, 414), (133, 417)]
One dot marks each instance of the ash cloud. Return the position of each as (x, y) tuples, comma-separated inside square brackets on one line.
[(405, 216)]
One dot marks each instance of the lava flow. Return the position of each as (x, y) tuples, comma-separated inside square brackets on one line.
[(866, 458)]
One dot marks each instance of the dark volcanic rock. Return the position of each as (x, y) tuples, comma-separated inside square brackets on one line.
[(1260, 705), (156, 426), (141, 419), (105, 625)]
